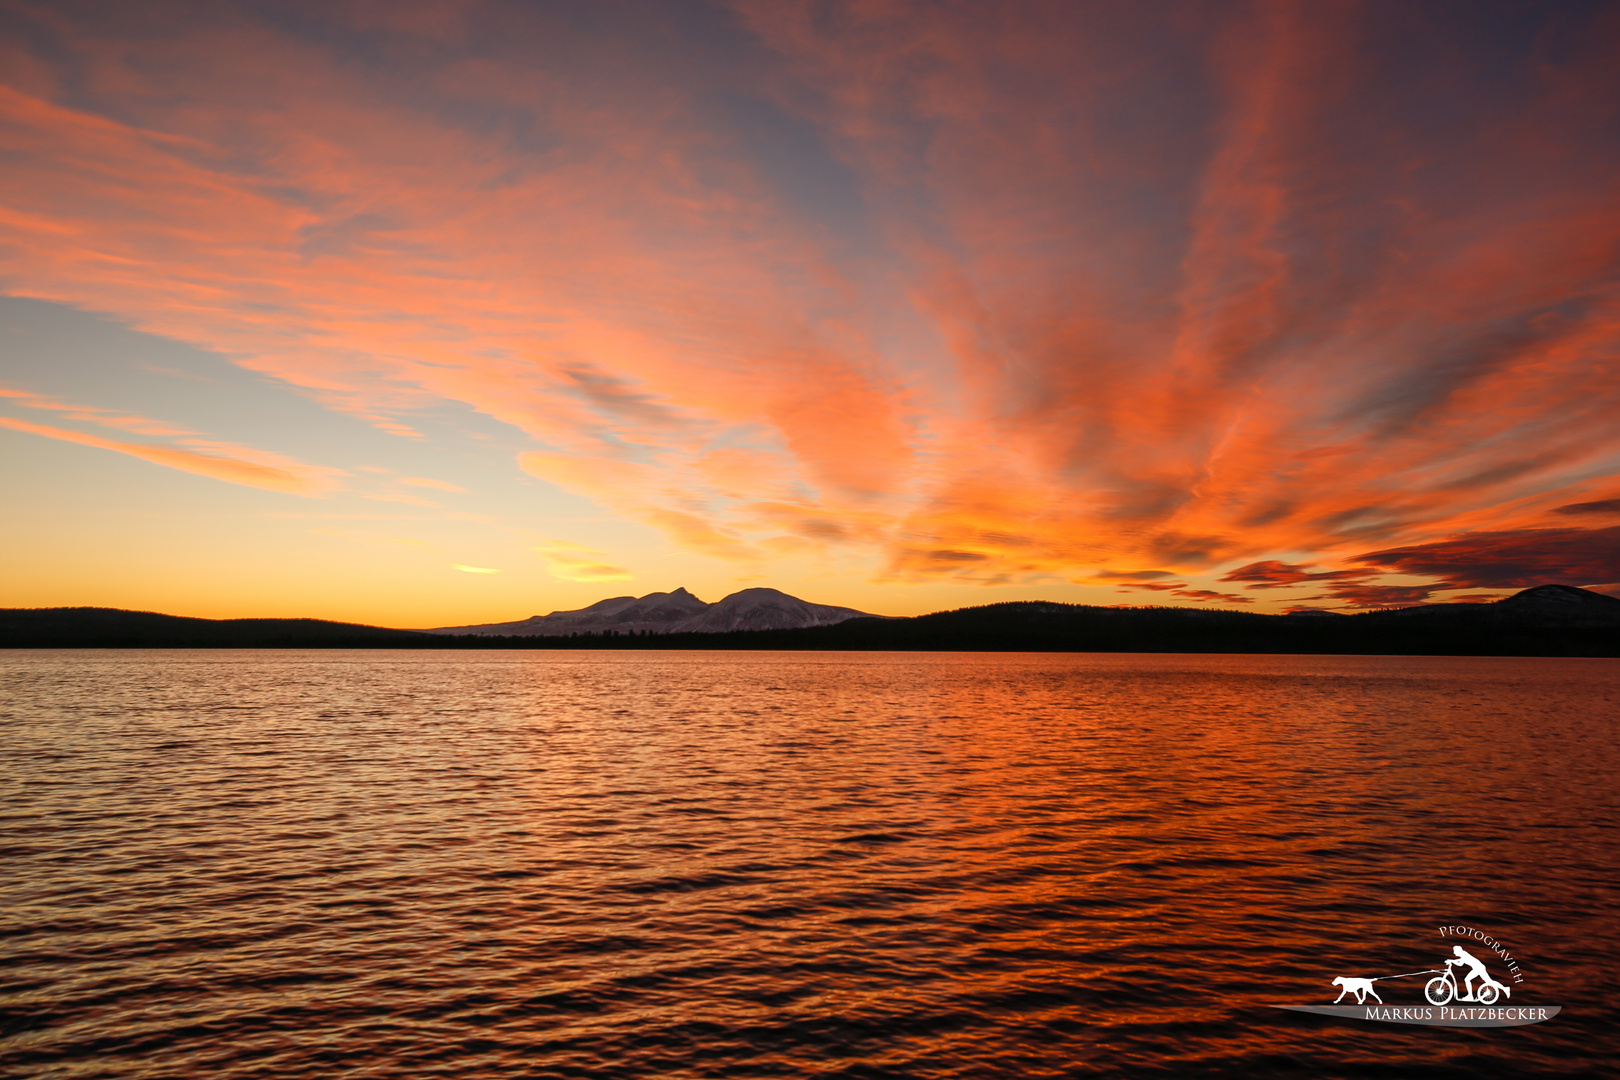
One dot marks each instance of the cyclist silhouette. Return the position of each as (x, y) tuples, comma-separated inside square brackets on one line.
[(1476, 970)]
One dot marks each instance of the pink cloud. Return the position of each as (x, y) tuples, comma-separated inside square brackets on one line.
[(194, 452), (1078, 307), (235, 465)]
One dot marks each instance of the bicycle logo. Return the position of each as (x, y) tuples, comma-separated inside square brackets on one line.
[(1462, 993), (1440, 990)]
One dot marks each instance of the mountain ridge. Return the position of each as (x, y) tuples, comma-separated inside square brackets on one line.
[(675, 612), (1547, 620)]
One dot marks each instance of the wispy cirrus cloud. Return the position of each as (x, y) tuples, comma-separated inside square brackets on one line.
[(106, 418), (576, 562), (219, 461), (984, 294), (188, 451)]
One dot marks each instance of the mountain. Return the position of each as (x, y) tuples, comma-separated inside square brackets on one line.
[(1562, 605), (765, 609), (1549, 620), (657, 613), (677, 612)]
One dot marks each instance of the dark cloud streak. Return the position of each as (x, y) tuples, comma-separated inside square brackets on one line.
[(1272, 574), (1518, 559), (1601, 506)]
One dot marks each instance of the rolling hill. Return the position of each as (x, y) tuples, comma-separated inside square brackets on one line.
[(1549, 620)]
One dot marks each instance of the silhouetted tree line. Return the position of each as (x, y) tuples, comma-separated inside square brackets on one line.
[(1579, 625)]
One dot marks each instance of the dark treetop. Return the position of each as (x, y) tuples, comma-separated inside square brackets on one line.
[(1549, 620)]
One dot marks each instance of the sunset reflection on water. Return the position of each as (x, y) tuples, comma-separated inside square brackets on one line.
[(703, 864)]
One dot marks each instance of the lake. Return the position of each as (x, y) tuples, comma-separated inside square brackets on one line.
[(638, 864)]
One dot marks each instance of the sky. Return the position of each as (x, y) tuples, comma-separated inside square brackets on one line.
[(423, 314)]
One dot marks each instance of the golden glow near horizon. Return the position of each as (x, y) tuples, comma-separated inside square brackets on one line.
[(429, 314)]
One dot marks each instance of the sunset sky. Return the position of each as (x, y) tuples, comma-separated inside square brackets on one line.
[(431, 313)]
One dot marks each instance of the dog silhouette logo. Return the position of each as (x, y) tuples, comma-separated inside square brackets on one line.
[(1461, 992), (1362, 988)]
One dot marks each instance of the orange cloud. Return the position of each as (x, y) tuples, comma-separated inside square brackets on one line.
[(576, 562), (231, 464), (986, 294), (196, 453), (108, 418)]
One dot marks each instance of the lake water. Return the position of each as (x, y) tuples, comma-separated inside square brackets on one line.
[(638, 864)]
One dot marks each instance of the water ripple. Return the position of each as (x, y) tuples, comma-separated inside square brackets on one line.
[(270, 864)]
